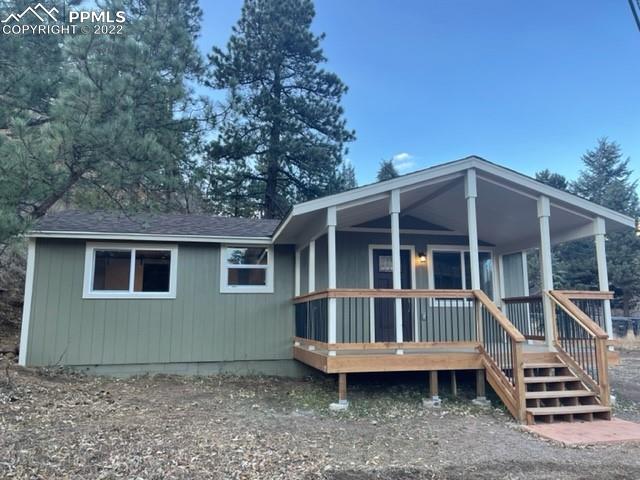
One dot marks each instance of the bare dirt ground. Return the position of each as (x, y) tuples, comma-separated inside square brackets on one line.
[(60, 425)]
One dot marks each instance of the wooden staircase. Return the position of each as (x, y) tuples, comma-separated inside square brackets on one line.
[(568, 382), (554, 393)]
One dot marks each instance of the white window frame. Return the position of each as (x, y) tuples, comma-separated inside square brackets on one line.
[(224, 267), (462, 249), (89, 267)]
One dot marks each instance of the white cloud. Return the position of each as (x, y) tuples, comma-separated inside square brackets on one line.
[(403, 161)]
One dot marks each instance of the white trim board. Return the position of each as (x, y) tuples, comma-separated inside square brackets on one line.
[(26, 307)]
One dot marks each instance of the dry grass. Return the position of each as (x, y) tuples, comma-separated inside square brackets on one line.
[(60, 425)]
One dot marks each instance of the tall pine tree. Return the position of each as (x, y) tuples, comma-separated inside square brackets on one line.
[(283, 120), (607, 180), (107, 122)]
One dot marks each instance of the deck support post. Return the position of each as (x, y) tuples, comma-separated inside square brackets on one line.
[(343, 403), (546, 268), (394, 212), (603, 275), (471, 193), (434, 399), (481, 396), (331, 270), (454, 384)]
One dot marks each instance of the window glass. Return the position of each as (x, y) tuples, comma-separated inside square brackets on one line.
[(152, 271), (246, 267), (111, 270), (247, 256), (447, 270), (486, 272), (385, 263), (247, 276)]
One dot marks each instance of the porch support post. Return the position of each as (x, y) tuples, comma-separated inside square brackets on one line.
[(331, 264), (296, 289), (394, 211), (546, 269), (471, 192), (603, 276), (343, 403), (311, 284)]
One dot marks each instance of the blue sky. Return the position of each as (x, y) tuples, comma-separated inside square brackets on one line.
[(530, 85)]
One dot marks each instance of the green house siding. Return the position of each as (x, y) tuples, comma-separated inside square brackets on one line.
[(352, 257), (199, 325)]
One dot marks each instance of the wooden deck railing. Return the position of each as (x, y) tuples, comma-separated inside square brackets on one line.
[(502, 345), (527, 314), (581, 342), (590, 302), (441, 316)]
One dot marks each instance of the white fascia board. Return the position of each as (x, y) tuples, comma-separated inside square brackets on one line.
[(150, 237), (551, 192)]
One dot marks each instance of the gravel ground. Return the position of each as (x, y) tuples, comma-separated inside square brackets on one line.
[(60, 425)]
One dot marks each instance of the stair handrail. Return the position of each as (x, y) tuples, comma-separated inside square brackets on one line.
[(512, 394), (509, 327), (564, 302), (600, 338)]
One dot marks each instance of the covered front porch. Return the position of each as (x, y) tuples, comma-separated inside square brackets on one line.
[(431, 273)]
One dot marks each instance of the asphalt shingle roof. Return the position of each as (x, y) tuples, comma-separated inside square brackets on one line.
[(156, 223)]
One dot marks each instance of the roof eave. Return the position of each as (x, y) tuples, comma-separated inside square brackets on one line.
[(149, 237)]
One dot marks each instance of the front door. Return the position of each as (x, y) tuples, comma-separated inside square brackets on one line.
[(384, 308)]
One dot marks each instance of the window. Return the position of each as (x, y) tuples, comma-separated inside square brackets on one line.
[(452, 270), (246, 269), (130, 271)]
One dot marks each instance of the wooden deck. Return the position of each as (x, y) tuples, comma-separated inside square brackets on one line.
[(382, 357)]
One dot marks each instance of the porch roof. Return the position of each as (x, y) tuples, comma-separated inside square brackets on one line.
[(433, 201)]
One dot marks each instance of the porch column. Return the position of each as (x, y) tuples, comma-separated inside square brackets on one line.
[(471, 192), (394, 211), (296, 289), (311, 283), (603, 275), (546, 269), (331, 270)]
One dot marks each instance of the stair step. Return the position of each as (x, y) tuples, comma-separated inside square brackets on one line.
[(560, 394), (550, 379), (568, 410), (545, 365)]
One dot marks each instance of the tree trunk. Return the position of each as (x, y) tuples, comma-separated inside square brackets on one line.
[(273, 155), (56, 195)]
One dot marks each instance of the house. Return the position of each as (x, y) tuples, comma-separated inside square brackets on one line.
[(424, 272)]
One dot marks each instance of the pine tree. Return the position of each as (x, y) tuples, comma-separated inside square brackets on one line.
[(387, 170), (283, 124), (110, 125), (607, 180)]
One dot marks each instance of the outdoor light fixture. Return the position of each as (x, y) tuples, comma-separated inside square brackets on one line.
[(423, 256), (637, 227)]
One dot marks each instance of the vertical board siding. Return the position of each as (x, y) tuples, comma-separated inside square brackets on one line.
[(199, 325)]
